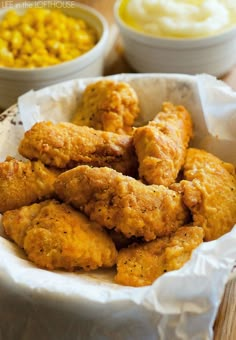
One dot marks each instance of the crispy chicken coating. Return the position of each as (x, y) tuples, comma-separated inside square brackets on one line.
[(122, 203), (23, 183), (65, 145), (108, 105), (141, 264), (210, 192), (56, 236), (161, 145)]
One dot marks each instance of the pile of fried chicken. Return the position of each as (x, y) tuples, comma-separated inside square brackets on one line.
[(98, 192)]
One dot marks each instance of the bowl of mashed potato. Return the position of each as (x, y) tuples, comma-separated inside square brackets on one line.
[(44, 46), (178, 36)]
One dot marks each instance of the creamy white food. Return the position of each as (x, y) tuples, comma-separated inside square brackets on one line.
[(179, 18)]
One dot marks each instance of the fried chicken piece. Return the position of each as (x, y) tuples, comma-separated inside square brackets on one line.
[(65, 145), (56, 236), (210, 192), (23, 183), (161, 145), (141, 264), (121, 202), (108, 105)]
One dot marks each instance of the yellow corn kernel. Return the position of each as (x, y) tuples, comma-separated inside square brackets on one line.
[(36, 43), (3, 25), (55, 35), (6, 35), (65, 57), (62, 48), (26, 48), (30, 65), (6, 57), (27, 19), (17, 40), (40, 13), (36, 59), (27, 30), (42, 52), (41, 34), (51, 60), (19, 63), (81, 38), (3, 43), (75, 53), (65, 37), (12, 19), (24, 58), (52, 45)]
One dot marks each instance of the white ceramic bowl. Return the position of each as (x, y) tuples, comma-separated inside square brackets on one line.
[(16, 81), (214, 55)]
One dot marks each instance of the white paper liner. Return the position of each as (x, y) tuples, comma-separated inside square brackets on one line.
[(179, 305)]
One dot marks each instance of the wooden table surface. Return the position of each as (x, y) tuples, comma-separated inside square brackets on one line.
[(225, 324)]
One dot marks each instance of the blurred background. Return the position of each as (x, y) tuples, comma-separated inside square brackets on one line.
[(115, 60)]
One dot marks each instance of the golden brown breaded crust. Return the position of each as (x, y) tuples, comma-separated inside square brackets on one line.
[(141, 264), (161, 145), (65, 145), (108, 105), (210, 192), (56, 236), (121, 202), (23, 183)]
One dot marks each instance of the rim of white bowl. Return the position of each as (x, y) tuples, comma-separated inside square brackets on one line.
[(148, 39), (85, 58)]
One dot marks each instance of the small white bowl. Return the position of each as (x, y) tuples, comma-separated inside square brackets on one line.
[(16, 81), (214, 54)]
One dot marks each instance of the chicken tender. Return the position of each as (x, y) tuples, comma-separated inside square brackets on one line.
[(161, 145), (65, 145), (56, 236), (210, 192), (122, 203), (141, 264), (23, 183), (108, 105)]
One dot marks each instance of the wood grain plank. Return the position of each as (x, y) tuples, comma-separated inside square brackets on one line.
[(225, 324)]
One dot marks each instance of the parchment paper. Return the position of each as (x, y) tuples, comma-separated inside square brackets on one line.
[(39, 304)]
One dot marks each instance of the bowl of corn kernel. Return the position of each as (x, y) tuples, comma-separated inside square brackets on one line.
[(44, 46)]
